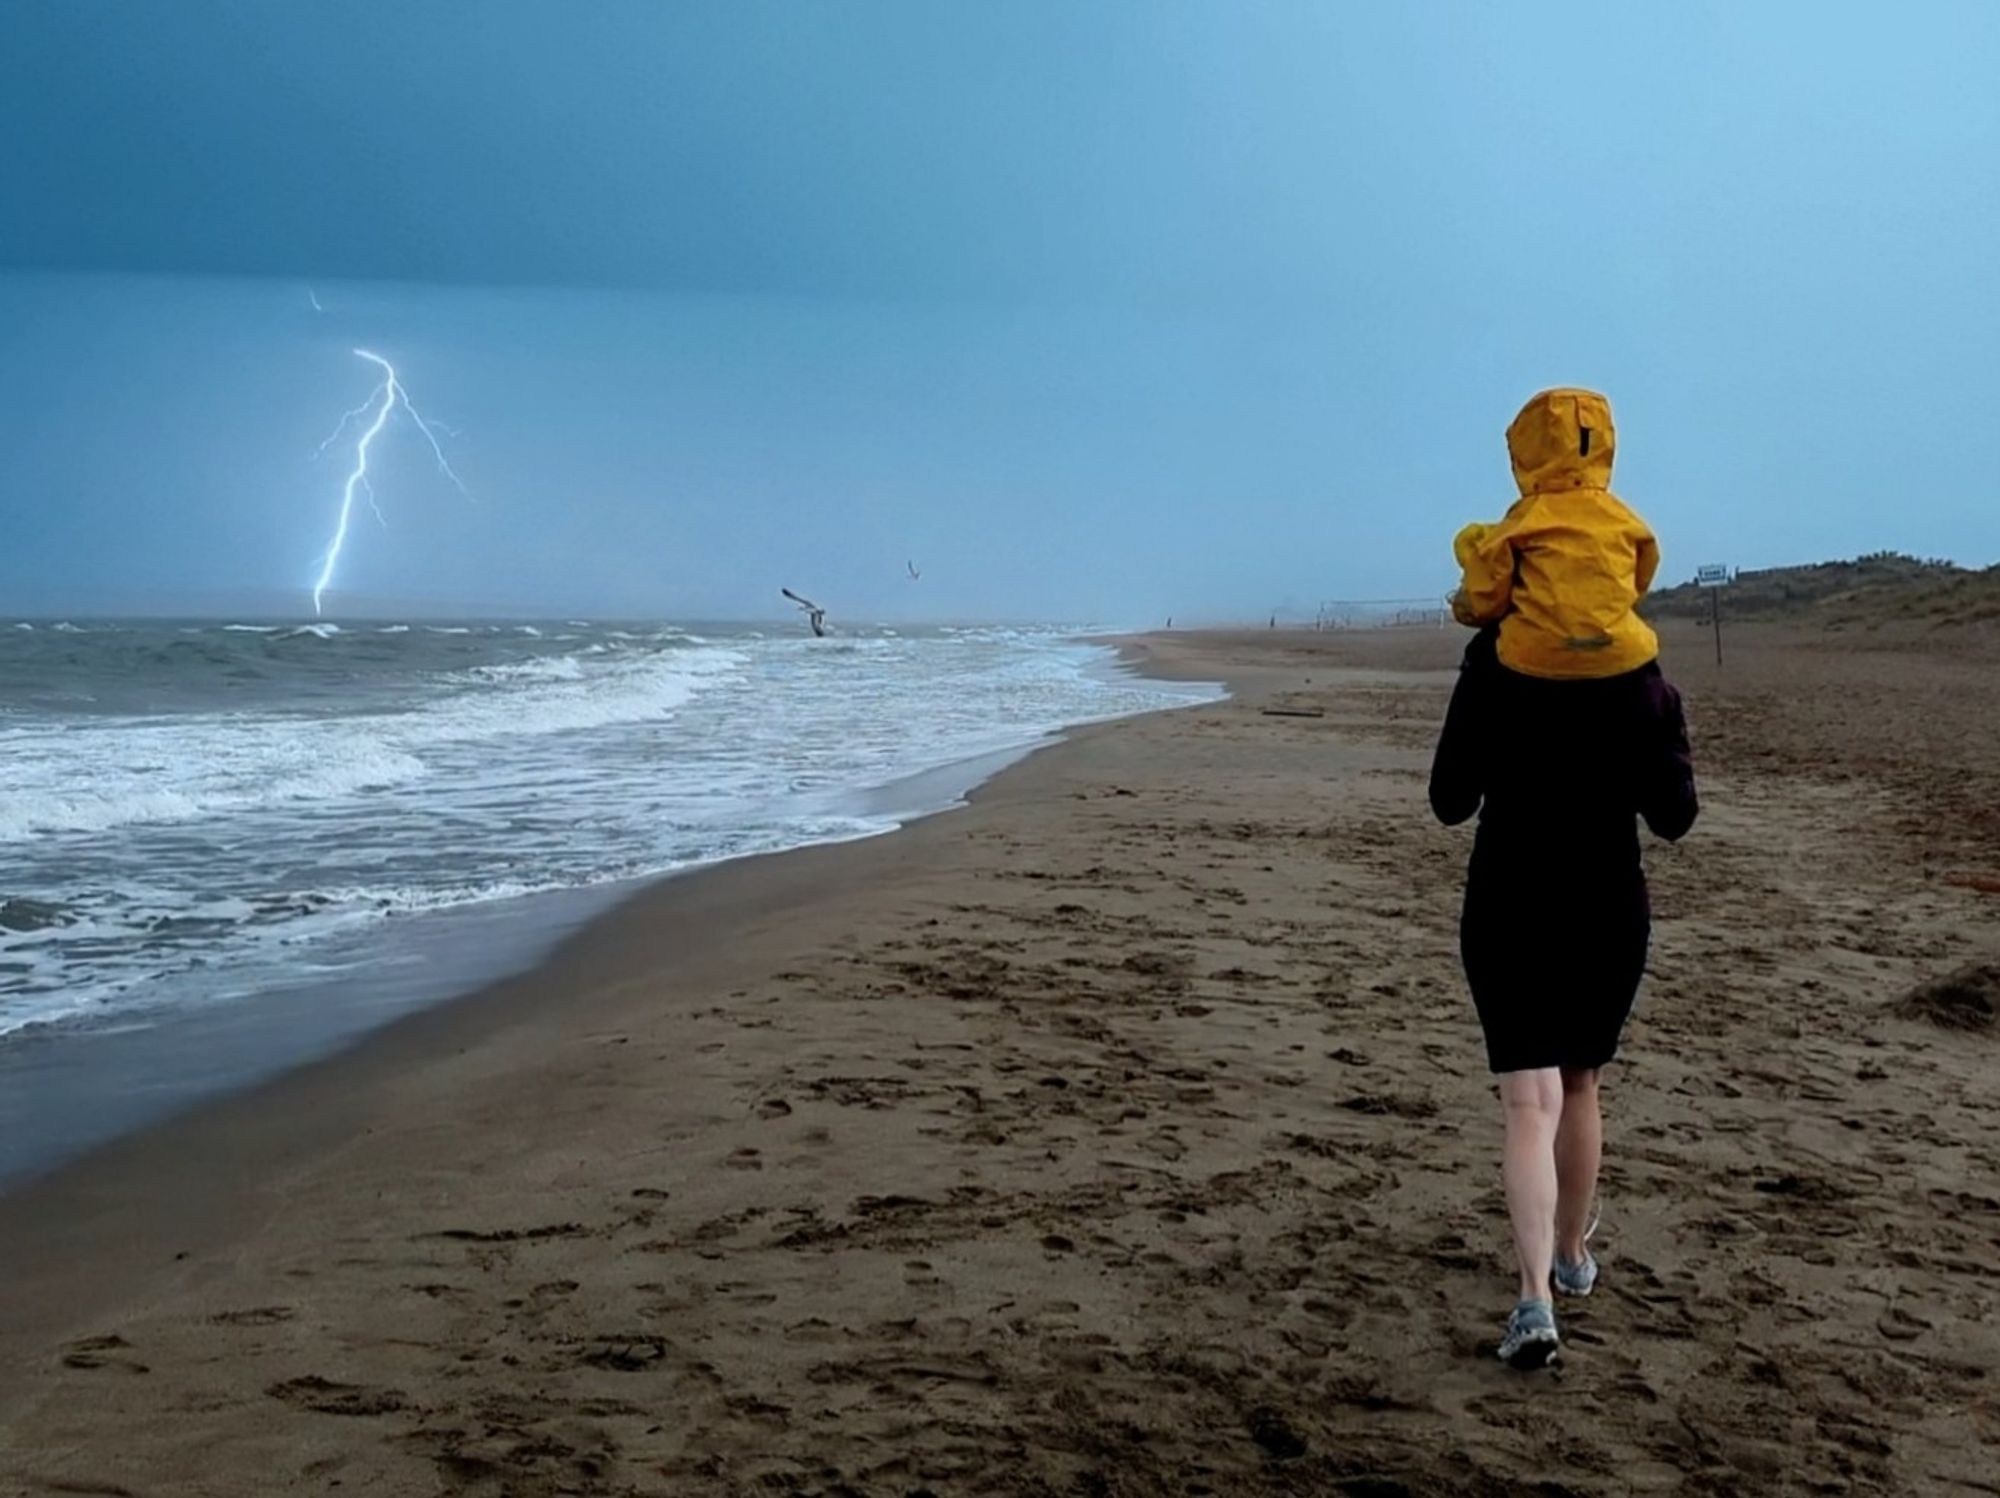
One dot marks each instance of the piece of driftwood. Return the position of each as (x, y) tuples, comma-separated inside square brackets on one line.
[(1295, 712)]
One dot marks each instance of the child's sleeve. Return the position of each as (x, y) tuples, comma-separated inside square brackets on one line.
[(1649, 562), (1486, 557)]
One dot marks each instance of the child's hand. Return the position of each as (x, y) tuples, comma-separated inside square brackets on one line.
[(1465, 545), (1482, 596)]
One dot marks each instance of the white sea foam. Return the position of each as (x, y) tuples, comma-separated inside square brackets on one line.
[(205, 853), (239, 776), (542, 668), (631, 690), (99, 777)]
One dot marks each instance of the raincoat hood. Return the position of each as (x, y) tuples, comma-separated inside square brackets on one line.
[(1563, 439)]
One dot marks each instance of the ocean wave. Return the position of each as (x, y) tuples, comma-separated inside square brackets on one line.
[(317, 773), (252, 629), (402, 899), (317, 631), (383, 778), (541, 668), (557, 698), (97, 779)]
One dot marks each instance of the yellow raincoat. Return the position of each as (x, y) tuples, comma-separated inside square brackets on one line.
[(1565, 567)]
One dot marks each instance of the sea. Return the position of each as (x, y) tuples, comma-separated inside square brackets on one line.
[(267, 829)]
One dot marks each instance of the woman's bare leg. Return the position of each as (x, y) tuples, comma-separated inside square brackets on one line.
[(1533, 1104), (1579, 1149)]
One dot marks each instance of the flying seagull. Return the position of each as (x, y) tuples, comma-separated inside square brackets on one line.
[(815, 615), (914, 574)]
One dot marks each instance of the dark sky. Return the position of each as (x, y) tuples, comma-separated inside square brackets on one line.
[(1106, 310), (889, 150)]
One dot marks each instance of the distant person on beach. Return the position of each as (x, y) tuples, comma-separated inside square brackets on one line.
[(1561, 731)]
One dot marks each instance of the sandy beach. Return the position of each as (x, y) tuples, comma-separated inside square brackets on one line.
[(1125, 1133)]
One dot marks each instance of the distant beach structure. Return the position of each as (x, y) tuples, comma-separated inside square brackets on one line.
[(1382, 613)]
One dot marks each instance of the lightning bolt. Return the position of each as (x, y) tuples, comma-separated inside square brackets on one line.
[(383, 402)]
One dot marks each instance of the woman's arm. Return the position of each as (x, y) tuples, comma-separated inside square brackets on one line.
[(1667, 797), (1457, 769)]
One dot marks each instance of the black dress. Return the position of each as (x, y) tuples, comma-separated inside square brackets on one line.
[(1556, 920)]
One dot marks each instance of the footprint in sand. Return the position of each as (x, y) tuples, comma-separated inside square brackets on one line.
[(626, 1354), (1898, 1325), (1275, 1434), (762, 1411), (814, 1329), (254, 1316), (102, 1352), (324, 1396), (509, 1235)]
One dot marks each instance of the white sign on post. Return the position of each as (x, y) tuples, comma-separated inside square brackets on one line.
[(1713, 575)]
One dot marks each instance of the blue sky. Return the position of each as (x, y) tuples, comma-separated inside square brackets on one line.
[(1094, 310)]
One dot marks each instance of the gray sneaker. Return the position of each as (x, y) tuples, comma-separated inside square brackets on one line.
[(1574, 1279), (1580, 1278), (1531, 1341)]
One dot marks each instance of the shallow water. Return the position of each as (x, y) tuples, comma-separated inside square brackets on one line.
[(199, 813)]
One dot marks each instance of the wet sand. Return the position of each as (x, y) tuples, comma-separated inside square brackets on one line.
[(1123, 1133)]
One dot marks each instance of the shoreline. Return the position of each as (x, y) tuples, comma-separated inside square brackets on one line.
[(75, 1083), (1124, 1129), (310, 1095)]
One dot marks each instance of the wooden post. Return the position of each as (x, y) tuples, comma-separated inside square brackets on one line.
[(1714, 576)]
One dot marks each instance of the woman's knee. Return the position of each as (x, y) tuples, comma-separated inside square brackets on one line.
[(1535, 1093)]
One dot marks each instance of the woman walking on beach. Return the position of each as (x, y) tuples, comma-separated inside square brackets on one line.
[(1559, 765)]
